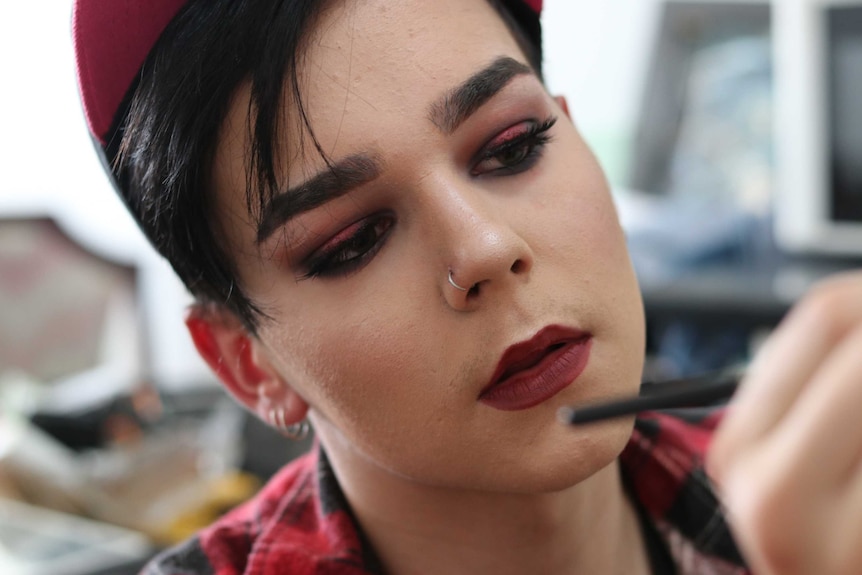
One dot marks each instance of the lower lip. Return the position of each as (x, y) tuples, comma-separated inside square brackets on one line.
[(541, 382)]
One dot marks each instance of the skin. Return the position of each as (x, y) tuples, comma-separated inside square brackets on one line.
[(788, 458), (388, 360)]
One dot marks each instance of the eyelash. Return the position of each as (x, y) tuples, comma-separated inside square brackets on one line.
[(531, 142), (336, 261)]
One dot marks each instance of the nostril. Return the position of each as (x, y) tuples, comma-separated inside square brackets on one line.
[(474, 291), (518, 266)]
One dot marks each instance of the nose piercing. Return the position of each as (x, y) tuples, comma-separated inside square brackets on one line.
[(454, 285)]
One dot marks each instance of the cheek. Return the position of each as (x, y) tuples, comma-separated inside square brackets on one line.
[(581, 219), (362, 371), (586, 245), (382, 383)]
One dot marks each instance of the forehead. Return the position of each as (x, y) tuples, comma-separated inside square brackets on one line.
[(364, 57), (409, 44), (369, 75)]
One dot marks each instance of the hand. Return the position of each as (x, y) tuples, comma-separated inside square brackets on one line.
[(788, 457)]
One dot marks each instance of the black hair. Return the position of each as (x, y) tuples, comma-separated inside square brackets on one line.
[(171, 119)]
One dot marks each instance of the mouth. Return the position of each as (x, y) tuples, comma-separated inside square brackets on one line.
[(533, 371)]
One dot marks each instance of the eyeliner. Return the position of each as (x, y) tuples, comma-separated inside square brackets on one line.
[(688, 392)]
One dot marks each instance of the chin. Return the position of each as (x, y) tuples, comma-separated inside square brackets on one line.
[(561, 463), (587, 453)]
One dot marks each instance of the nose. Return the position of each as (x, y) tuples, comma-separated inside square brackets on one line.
[(483, 248)]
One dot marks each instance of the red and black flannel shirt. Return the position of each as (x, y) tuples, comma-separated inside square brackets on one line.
[(300, 523)]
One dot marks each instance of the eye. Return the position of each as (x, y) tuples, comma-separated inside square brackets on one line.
[(350, 249), (515, 150)]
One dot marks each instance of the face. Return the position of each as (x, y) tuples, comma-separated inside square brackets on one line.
[(501, 190)]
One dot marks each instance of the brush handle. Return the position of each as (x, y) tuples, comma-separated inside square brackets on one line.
[(703, 390)]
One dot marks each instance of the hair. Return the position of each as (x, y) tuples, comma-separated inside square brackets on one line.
[(171, 120)]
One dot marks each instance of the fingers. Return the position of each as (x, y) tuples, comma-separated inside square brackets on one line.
[(847, 551), (789, 454), (822, 434), (789, 493), (787, 366)]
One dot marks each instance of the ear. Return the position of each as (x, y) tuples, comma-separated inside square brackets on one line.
[(564, 105), (241, 363)]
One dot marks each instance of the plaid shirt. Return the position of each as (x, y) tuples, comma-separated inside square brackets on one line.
[(300, 523)]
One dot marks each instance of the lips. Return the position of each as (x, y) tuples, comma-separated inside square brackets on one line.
[(533, 371)]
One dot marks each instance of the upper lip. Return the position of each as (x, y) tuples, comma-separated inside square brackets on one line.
[(525, 354)]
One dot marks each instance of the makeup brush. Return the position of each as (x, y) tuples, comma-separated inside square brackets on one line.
[(687, 392)]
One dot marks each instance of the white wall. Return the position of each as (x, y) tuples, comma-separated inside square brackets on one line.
[(48, 167), (596, 53)]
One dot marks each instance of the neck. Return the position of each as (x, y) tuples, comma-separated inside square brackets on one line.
[(418, 529)]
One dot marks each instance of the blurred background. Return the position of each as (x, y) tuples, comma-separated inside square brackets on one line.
[(729, 130)]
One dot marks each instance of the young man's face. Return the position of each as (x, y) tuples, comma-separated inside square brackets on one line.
[(365, 325)]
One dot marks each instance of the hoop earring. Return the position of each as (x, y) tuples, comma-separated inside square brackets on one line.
[(276, 419), (453, 284), (298, 431), (295, 431)]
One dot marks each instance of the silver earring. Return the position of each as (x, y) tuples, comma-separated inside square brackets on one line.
[(276, 419), (453, 284), (296, 431)]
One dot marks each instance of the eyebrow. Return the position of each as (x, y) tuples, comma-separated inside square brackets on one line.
[(460, 103), (337, 180), (340, 178)]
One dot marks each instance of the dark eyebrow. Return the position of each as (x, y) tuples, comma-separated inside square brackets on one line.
[(332, 183), (457, 105)]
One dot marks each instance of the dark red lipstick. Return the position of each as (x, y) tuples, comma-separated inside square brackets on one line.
[(535, 370)]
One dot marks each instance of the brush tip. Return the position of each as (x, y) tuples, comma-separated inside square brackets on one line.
[(566, 415)]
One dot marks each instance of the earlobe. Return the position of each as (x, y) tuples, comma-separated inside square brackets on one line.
[(232, 354)]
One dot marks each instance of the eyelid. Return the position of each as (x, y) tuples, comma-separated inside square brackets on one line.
[(496, 144), (316, 234), (533, 138), (315, 264), (510, 134), (345, 234), (319, 251)]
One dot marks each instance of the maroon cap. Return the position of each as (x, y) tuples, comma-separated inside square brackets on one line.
[(113, 38)]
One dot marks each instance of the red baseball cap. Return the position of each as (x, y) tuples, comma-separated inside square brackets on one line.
[(113, 38)]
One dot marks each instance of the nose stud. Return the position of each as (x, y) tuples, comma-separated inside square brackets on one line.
[(453, 284)]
